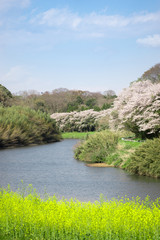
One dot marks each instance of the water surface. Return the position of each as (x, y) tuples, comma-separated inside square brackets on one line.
[(53, 167)]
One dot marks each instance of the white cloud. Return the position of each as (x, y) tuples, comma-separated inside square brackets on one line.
[(57, 18), (70, 24), (153, 41), (63, 17), (7, 4), (144, 18), (48, 28), (105, 20), (51, 26)]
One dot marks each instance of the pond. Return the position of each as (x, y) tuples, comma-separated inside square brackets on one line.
[(52, 168)]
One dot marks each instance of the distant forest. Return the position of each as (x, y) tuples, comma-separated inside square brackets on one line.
[(59, 100)]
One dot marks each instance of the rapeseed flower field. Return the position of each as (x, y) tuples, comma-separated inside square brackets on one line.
[(30, 217)]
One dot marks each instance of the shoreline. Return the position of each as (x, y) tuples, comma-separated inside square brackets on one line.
[(100, 165)]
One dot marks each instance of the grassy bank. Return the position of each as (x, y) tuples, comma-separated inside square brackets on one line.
[(106, 147), (76, 135), (118, 156), (30, 217)]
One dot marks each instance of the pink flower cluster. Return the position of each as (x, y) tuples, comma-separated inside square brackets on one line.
[(138, 106), (78, 121)]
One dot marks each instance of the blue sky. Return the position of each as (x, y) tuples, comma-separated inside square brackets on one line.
[(77, 44)]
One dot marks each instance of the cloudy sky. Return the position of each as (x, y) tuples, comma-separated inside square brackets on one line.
[(92, 45)]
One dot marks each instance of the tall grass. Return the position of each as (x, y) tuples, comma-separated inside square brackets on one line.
[(30, 217)]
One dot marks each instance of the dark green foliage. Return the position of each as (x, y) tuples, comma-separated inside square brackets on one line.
[(97, 147), (106, 106), (79, 100), (91, 102), (5, 96), (96, 108), (146, 159), (23, 126), (40, 105), (133, 127)]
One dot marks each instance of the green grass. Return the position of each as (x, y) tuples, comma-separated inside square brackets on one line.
[(30, 217), (76, 135)]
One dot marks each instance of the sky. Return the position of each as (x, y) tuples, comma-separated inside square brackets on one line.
[(93, 45)]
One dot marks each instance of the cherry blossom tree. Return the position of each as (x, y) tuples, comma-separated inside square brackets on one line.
[(137, 108), (79, 121)]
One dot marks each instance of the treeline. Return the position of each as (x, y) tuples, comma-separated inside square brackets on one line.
[(64, 100), (21, 126)]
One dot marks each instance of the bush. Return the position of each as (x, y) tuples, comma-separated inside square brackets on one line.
[(24, 126), (97, 147), (146, 159)]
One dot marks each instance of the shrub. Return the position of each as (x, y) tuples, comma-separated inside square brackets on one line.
[(23, 126), (146, 159), (97, 147)]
